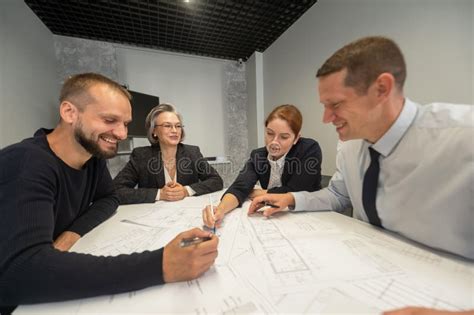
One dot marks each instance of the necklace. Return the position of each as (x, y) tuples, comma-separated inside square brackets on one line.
[(170, 165)]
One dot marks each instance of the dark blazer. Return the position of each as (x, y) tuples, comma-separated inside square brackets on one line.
[(146, 170), (302, 171)]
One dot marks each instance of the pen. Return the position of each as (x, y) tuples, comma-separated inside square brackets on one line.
[(212, 213), (185, 242), (267, 204), (136, 223)]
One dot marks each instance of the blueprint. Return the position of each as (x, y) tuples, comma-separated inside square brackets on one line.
[(315, 263)]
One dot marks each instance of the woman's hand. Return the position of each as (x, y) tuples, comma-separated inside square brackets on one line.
[(256, 193), (212, 219), (173, 191), (227, 204)]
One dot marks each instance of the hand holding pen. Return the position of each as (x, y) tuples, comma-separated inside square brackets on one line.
[(185, 242), (269, 204), (212, 216), (189, 255)]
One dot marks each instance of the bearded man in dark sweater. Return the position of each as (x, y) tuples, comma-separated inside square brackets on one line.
[(55, 187)]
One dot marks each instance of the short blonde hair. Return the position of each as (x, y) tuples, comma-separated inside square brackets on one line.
[(153, 114), (76, 88)]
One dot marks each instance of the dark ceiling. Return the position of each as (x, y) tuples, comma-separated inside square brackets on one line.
[(229, 29)]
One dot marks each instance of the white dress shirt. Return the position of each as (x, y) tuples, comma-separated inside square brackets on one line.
[(276, 171), (168, 179), (426, 181)]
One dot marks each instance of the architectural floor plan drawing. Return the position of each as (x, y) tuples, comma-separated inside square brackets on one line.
[(313, 263), (354, 262)]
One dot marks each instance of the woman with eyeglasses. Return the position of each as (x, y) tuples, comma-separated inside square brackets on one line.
[(287, 163), (168, 169)]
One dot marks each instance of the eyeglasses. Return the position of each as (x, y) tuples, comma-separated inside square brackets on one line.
[(170, 126)]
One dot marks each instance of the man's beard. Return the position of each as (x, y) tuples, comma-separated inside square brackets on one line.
[(92, 146)]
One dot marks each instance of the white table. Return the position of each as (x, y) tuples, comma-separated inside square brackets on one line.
[(292, 263)]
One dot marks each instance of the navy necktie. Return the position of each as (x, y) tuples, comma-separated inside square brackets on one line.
[(369, 189)]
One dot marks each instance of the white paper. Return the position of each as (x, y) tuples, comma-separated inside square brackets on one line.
[(291, 263)]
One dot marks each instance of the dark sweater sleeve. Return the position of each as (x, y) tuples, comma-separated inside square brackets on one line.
[(306, 177), (128, 178), (103, 206), (245, 181), (31, 270), (209, 179)]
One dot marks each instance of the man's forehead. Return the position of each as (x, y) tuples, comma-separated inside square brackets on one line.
[(107, 100), (335, 77), (103, 90), (332, 84)]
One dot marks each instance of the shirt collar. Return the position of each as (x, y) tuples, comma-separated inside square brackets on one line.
[(279, 163), (390, 139)]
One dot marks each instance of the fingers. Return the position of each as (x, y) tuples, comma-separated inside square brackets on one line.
[(164, 193), (208, 247), (271, 210), (257, 203), (275, 202), (218, 216), (208, 217), (212, 219), (196, 232), (203, 248), (174, 186), (208, 259), (175, 193), (186, 263), (170, 184), (204, 263), (267, 210), (204, 254), (412, 310), (174, 196), (407, 311)]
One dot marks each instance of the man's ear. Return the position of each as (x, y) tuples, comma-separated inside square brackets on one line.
[(68, 112), (384, 85)]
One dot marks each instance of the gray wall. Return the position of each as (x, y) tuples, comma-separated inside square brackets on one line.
[(255, 103), (472, 52), (76, 55), (28, 89), (235, 120), (436, 37), (194, 84), (252, 119)]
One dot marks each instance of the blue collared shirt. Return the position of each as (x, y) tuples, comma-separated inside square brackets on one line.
[(425, 185)]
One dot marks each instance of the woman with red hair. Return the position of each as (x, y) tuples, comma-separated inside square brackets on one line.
[(287, 163)]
